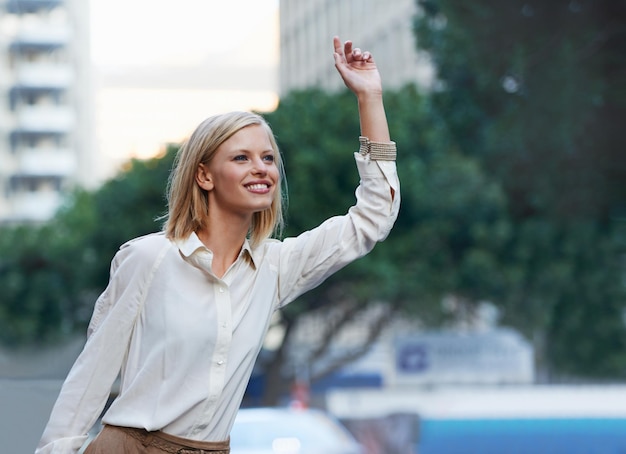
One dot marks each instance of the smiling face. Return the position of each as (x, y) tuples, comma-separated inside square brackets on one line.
[(242, 176)]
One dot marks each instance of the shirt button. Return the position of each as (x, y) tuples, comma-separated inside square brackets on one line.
[(221, 289), (220, 362)]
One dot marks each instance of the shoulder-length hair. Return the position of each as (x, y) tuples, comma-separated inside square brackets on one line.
[(188, 202)]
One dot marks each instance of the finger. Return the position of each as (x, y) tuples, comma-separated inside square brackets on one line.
[(338, 47), (357, 54), (347, 49), (339, 60)]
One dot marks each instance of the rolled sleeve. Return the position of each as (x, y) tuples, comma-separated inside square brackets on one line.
[(63, 446), (382, 199)]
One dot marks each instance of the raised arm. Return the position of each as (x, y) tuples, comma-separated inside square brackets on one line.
[(360, 74), (307, 260)]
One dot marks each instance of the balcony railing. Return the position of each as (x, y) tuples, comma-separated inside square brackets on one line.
[(45, 119), (44, 76), (46, 162), (31, 6), (40, 38)]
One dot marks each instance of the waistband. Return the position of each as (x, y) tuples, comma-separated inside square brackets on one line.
[(175, 445)]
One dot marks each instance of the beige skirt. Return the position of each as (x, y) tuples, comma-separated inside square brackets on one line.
[(127, 440)]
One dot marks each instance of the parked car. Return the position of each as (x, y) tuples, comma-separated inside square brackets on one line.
[(289, 431)]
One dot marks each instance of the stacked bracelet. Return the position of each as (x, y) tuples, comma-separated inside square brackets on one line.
[(377, 151)]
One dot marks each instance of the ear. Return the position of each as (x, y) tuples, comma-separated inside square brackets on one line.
[(203, 178)]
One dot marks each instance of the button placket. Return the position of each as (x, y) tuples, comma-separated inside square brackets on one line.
[(222, 341), (222, 346), (224, 322)]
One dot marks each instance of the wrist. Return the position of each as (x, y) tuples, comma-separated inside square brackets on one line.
[(369, 97), (377, 151)]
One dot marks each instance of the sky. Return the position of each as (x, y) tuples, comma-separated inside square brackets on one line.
[(161, 66)]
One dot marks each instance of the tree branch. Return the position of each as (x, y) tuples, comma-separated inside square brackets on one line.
[(356, 353)]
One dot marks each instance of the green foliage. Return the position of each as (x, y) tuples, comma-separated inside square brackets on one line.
[(50, 275), (316, 133), (126, 207), (34, 294), (532, 89), (453, 217), (587, 324)]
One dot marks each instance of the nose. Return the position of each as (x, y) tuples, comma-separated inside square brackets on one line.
[(259, 166)]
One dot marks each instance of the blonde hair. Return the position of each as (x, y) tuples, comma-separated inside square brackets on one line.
[(188, 203)]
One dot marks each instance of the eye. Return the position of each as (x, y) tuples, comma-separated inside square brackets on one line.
[(240, 157), (268, 158)]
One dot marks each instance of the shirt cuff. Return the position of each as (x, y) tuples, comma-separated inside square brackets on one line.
[(387, 170), (69, 445)]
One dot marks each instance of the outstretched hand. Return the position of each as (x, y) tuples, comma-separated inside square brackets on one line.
[(357, 68)]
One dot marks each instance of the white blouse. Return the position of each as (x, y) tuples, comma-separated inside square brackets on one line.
[(186, 341)]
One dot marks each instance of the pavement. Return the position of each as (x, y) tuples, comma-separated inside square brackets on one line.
[(30, 381), (25, 406)]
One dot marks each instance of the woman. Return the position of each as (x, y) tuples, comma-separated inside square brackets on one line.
[(186, 310)]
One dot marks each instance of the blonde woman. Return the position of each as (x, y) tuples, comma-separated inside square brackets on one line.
[(186, 310)]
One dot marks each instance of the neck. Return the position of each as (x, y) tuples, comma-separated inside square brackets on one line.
[(224, 239)]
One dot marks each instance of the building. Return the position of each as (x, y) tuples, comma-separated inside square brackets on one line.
[(384, 27), (45, 108)]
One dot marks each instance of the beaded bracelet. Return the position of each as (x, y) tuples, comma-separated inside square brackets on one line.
[(377, 151)]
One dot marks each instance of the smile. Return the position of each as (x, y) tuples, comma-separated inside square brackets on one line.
[(257, 187)]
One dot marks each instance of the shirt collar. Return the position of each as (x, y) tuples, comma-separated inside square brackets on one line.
[(249, 253), (192, 243)]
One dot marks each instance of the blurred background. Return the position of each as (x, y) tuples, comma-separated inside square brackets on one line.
[(493, 317)]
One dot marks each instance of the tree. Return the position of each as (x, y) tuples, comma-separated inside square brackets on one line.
[(36, 301), (125, 207), (528, 87), (51, 274)]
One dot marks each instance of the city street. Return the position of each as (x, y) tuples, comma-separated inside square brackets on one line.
[(30, 381), (24, 409)]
